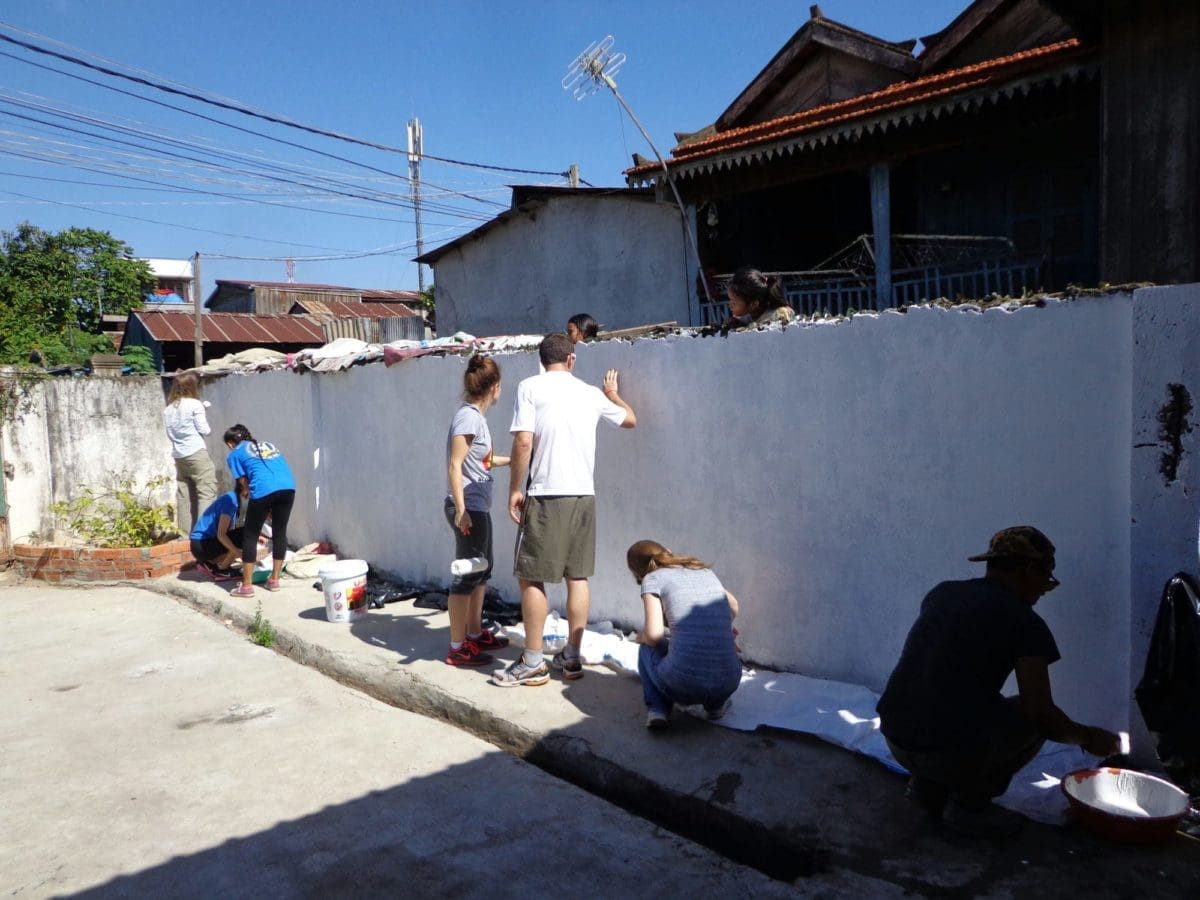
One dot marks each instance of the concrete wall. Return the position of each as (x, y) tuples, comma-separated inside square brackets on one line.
[(79, 431), (832, 473), (622, 259)]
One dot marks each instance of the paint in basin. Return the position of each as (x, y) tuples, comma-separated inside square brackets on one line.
[(1125, 805)]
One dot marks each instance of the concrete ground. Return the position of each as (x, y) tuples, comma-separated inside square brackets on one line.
[(821, 819), (150, 752)]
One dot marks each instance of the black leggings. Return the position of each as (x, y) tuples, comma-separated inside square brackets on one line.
[(279, 505)]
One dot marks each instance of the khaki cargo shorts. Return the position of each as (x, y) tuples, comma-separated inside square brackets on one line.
[(557, 539)]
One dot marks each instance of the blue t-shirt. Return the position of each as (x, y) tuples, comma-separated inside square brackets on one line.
[(263, 466), (206, 525)]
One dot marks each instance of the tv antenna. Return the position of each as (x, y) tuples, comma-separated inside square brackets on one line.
[(595, 68)]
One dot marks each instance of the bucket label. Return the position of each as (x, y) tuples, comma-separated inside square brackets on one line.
[(357, 596)]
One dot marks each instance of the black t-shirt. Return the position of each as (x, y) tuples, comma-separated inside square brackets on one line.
[(945, 690)]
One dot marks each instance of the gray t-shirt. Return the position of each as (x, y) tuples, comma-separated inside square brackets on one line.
[(477, 467), (701, 656)]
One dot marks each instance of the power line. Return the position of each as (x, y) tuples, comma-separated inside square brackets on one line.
[(104, 212), (237, 107)]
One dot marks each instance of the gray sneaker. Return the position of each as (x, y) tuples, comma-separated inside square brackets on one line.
[(518, 674), (718, 713), (571, 667), (657, 720)]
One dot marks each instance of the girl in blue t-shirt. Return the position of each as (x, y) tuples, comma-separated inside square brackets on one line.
[(698, 663), (262, 475)]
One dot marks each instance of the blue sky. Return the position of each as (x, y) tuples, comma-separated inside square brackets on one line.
[(483, 78)]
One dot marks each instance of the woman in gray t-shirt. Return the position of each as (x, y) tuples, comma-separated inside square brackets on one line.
[(698, 663), (468, 504)]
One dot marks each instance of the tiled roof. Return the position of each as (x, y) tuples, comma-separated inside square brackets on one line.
[(232, 328), (343, 309), (943, 86)]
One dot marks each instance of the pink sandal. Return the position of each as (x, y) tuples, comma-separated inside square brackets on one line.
[(242, 590), (272, 584)]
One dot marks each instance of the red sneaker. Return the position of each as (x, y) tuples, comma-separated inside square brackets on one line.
[(468, 654), (489, 641)]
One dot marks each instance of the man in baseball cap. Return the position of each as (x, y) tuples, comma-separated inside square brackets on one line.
[(942, 712)]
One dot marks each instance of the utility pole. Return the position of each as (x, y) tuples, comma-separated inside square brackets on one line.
[(573, 175), (415, 149), (199, 336)]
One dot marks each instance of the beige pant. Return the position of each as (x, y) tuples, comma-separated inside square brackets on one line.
[(195, 489)]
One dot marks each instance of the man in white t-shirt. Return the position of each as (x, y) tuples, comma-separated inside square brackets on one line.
[(552, 499)]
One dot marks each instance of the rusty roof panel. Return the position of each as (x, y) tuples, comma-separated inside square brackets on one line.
[(342, 309), (232, 328)]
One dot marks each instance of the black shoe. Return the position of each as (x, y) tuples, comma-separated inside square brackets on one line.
[(927, 795), (988, 821)]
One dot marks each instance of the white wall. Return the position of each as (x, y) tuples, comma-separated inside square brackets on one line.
[(623, 260), (80, 431), (832, 473)]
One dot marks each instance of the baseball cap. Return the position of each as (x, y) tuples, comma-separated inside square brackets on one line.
[(1019, 542)]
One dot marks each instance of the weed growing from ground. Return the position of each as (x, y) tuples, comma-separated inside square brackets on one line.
[(262, 632)]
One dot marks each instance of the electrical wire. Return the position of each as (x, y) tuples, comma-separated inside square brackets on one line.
[(104, 212), (234, 106)]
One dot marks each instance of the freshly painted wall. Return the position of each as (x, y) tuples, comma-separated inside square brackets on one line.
[(832, 473), (622, 259)]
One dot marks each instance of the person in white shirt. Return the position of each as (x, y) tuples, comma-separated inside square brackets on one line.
[(195, 475), (552, 500)]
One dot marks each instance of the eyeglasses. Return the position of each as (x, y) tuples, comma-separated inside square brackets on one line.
[(1051, 581)]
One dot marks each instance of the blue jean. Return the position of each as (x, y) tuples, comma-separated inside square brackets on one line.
[(659, 695)]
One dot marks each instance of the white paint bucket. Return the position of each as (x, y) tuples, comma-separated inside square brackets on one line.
[(345, 586)]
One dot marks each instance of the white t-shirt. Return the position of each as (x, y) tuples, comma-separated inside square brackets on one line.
[(561, 412), (186, 425)]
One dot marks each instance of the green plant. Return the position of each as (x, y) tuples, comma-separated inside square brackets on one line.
[(139, 359), (122, 515), (262, 632)]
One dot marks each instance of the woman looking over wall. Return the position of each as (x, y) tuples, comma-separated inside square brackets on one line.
[(756, 299), (186, 425)]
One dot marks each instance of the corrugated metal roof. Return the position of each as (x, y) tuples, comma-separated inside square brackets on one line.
[(232, 328), (393, 296), (859, 114), (342, 309), (287, 285)]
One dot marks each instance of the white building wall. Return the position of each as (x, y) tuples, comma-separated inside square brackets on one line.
[(831, 473), (622, 260)]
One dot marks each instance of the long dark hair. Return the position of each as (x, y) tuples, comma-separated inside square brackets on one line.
[(238, 433), (587, 326), (760, 291)]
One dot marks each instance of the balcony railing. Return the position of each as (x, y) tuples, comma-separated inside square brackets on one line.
[(938, 269)]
